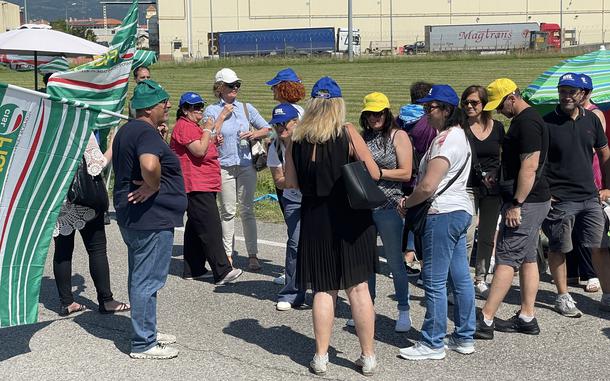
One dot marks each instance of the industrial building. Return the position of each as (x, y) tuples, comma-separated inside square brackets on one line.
[(185, 25), (10, 17)]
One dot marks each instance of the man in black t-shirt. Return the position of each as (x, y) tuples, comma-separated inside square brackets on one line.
[(526, 204), (575, 134), (150, 200)]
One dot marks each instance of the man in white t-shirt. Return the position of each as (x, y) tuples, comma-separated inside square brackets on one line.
[(285, 119)]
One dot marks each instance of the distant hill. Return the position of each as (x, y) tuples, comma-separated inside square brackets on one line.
[(52, 10)]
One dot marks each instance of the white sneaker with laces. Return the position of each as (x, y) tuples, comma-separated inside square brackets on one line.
[(421, 351), (158, 352), (165, 338), (565, 305), (367, 363), (318, 364), (403, 323), (281, 280), (230, 277), (463, 347)]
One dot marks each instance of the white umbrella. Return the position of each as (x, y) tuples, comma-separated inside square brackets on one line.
[(47, 42)]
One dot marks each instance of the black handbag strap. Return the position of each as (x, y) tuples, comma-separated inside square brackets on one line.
[(351, 143), (453, 179)]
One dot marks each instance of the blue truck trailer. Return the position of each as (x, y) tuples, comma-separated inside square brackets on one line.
[(300, 41)]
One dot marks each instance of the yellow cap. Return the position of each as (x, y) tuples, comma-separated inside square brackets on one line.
[(375, 102), (497, 90)]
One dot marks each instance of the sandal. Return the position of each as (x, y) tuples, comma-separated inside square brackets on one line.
[(121, 307), (593, 285), (253, 264), (65, 310)]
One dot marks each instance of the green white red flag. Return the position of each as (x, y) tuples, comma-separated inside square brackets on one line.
[(42, 140), (102, 83)]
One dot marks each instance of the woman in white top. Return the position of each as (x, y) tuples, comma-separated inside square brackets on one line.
[(444, 239)]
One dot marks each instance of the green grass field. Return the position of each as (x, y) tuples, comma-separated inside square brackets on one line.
[(391, 76)]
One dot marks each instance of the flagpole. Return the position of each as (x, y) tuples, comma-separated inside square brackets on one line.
[(63, 100)]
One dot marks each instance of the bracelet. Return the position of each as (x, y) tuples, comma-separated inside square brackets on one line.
[(212, 132)]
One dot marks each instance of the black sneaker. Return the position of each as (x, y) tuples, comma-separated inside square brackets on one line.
[(516, 324), (484, 331), (106, 218)]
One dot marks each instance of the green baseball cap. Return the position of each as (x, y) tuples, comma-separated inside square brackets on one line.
[(147, 94)]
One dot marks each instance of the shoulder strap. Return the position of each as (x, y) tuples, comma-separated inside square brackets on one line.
[(351, 143), (247, 115), (450, 183)]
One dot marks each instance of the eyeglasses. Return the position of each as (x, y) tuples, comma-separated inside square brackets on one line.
[(501, 105), (470, 102), (376, 114), (568, 92), (233, 86), (429, 107), (164, 102), (197, 106)]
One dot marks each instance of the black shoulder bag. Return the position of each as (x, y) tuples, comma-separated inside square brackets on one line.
[(362, 192), (415, 218), (87, 190)]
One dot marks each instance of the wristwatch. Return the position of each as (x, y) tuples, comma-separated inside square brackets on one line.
[(516, 203)]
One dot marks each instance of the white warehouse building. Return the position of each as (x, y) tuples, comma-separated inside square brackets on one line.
[(185, 25)]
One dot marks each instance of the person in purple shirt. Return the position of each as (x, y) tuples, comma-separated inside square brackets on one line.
[(410, 119)]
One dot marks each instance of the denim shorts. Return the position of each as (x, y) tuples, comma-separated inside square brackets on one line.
[(583, 217), (518, 245)]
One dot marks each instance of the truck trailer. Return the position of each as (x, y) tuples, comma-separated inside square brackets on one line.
[(488, 37), (299, 41)]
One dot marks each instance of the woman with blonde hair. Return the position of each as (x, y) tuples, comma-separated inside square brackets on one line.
[(337, 243)]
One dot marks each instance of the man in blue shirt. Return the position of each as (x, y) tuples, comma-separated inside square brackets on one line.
[(150, 200)]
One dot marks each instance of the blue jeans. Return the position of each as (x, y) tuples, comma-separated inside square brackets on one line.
[(389, 226), (445, 260), (149, 253), (292, 215)]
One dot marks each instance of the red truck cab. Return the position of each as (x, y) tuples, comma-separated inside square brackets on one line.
[(554, 34)]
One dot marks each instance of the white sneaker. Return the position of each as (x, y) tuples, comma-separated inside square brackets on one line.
[(158, 352), (165, 338), (281, 280), (565, 305), (403, 323), (283, 306), (463, 347), (318, 364), (421, 351), (230, 277), (481, 289), (350, 323), (367, 363)]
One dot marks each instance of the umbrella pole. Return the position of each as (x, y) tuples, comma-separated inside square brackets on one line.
[(36, 70)]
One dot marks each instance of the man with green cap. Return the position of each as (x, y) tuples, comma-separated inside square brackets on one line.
[(150, 201)]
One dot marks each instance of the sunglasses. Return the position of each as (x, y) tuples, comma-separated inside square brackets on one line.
[(197, 106), (376, 114), (472, 103), (568, 92), (429, 107), (501, 105), (233, 86)]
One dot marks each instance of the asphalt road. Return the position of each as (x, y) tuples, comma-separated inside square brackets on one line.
[(234, 332)]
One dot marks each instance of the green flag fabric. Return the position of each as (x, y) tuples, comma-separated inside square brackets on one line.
[(42, 140)]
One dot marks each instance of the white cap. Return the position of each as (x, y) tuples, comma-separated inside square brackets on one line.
[(227, 76)]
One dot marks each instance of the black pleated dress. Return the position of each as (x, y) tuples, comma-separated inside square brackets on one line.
[(336, 243)]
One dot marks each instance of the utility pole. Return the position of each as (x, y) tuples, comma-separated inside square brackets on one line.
[(391, 28), (189, 25), (25, 10), (561, 26), (211, 31), (350, 33)]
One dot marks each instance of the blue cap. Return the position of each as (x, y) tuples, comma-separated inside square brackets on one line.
[(327, 88), (284, 112), (284, 75), (586, 82), (571, 80), (441, 93), (190, 98), (411, 113)]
